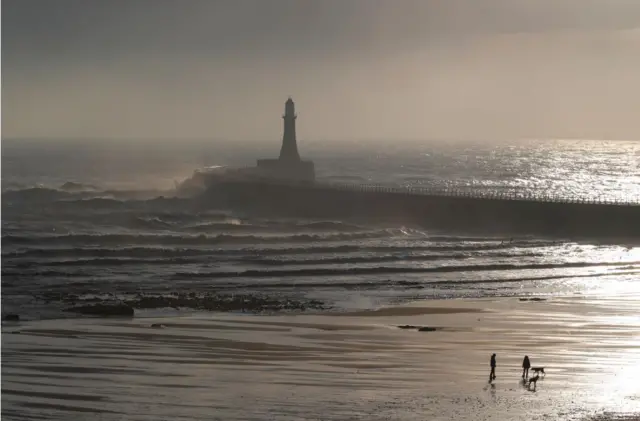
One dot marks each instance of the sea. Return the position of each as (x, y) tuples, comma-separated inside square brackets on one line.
[(97, 220)]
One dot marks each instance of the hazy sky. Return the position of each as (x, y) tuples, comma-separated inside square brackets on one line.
[(357, 69)]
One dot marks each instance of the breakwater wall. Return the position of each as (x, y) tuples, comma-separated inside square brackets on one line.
[(520, 196), (438, 209)]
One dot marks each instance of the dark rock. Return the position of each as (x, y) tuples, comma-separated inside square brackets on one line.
[(120, 310), (11, 318), (427, 329), (221, 302), (158, 326), (533, 299), (208, 301), (419, 328)]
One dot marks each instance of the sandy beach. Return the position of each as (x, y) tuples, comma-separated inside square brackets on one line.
[(343, 366)]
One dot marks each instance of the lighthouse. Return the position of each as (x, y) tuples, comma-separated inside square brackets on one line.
[(289, 166), (289, 150)]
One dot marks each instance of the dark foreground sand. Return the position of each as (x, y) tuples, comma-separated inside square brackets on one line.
[(357, 366)]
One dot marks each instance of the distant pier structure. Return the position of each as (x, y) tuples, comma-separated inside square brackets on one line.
[(288, 166)]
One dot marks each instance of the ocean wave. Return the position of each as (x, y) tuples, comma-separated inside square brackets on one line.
[(148, 222), (374, 284), (201, 257), (343, 177), (80, 197), (88, 286), (48, 194), (47, 273), (152, 205), (35, 194), (159, 214), (73, 186), (329, 226), (216, 227), (123, 215), (381, 259), (115, 262), (167, 252), (381, 270), (236, 225), (182, 217), (128, 239)]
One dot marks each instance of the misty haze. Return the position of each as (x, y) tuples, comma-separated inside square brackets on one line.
[(418, 70), (337, 210)]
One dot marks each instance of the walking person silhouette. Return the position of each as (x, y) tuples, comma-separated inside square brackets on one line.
[(492, 375), (526, 365)]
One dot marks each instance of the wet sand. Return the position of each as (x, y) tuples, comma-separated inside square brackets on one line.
[(349, 366)]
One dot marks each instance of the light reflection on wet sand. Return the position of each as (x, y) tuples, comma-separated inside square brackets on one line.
[(351, 366)]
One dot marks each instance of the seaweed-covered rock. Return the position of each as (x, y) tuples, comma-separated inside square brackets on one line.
[(427, 329), (104, 310), (222, 302), (208, 301), (418, 328)]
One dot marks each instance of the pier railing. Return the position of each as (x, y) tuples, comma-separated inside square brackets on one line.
[(486, 195)]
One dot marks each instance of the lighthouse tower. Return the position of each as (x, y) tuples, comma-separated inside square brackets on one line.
[(289, 150), (288, 166)]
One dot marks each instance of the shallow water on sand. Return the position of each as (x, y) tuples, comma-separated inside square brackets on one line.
[(347, 366)]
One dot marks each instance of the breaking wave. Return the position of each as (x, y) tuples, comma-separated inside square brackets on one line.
[(127, 239), (80, 194), (85, 240), (391, 270), (201, 256), (168, 252)]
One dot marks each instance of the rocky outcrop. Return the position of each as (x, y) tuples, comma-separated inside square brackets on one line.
[(11, 318), (209, 301), (427, 329), (104, 310), (214, 302), (419, 328)]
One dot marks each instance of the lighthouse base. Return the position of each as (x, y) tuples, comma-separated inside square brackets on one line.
[(287, 171)]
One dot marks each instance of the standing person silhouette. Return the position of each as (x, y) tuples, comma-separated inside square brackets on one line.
[(492, 375), (526, 364)]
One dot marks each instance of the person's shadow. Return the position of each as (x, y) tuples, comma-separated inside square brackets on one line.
[(492, 390)]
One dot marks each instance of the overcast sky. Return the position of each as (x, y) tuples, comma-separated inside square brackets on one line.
[(357, 69)]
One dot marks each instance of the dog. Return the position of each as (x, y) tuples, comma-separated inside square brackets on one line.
[(538, 370), (534, 380)]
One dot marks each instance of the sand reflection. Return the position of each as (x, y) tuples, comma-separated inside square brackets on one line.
[(351, 365)]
